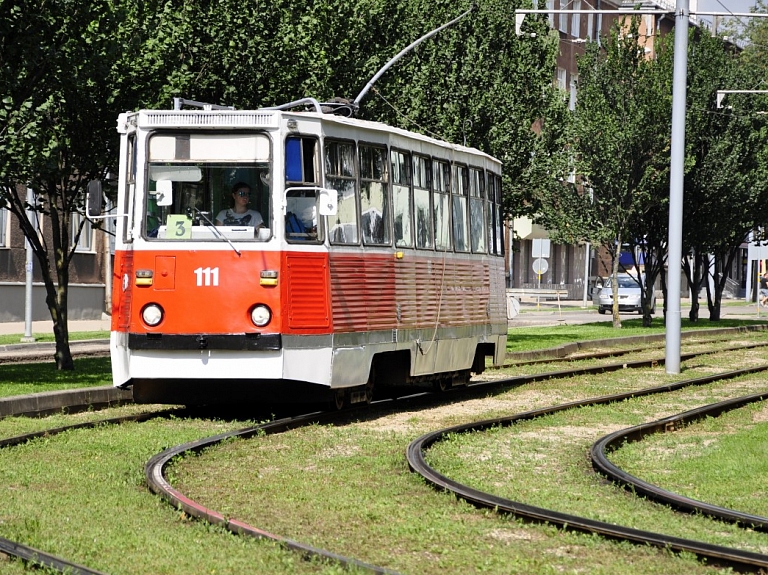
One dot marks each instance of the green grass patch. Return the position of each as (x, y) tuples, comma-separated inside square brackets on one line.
[(534, 338), (24, 378), (721, 460), (7, 339)]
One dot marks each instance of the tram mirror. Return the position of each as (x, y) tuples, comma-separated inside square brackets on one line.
[(176, 173), (327, 201), (94, 197), (164, 192)]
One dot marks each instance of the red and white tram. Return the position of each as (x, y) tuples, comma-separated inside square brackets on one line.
[(390, 270)]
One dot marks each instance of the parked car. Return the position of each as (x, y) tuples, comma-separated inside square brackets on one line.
[(629, 295)]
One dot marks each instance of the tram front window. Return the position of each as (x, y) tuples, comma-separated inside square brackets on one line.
[(183, 201)]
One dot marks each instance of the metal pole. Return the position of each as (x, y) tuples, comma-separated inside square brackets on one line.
[(675, 241), (586, 274), (29, 269)]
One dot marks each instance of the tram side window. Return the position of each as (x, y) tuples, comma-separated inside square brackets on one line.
[(401, 198), (300, 164), (441, 172), (422, 184), (301, 221), (130, 193), (495, 223), (460, 190), (340, 175), (477, 210), (498, 205), (374, 196)]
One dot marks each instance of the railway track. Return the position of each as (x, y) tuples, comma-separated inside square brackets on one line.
[(156, 468)]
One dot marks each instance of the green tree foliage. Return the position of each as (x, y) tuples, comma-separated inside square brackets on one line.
[(725, 186), (68, 69), (616, 142), (55, 126)]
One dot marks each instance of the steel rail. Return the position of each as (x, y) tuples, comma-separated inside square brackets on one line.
[(35, 557), (738, 559), (613, 441), (155, 475), (157, 480)]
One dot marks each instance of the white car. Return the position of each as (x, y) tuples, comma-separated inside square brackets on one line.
[(629, 295)]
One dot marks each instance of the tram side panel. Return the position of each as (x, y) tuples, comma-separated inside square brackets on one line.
[(437, 309)]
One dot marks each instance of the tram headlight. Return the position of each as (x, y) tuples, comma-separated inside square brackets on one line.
[(261, 315), (152, 314)]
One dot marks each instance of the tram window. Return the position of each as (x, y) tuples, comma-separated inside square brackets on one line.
[(459, 204), (491, 214), (495, 224), (340, 175), (185, 200), (401, 196), (300, 160), (441, 172), (130, 196), (477, 210), (498, 204), (374, 196), (422, 183)]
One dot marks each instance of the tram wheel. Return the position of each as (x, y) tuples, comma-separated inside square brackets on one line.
[(340, 399), (441, 384)]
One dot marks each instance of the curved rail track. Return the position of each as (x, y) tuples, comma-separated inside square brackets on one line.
[(156, 467), (715, 554)]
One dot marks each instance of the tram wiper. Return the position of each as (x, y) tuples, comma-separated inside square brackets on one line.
[(194, 212)]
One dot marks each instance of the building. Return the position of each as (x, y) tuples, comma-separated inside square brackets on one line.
[(88, 274)]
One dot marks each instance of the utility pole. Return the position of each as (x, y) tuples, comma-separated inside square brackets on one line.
[(30, 262)]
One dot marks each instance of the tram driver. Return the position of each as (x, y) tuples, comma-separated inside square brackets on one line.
[(239, 214)]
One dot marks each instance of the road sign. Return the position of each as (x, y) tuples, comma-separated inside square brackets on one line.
[(540, 266)]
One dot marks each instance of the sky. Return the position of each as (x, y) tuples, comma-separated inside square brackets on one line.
[(726, 5), (736, 6)]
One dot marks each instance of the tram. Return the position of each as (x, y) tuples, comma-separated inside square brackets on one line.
[(376, 258)]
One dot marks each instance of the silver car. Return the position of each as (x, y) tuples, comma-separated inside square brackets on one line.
[(629, 295)]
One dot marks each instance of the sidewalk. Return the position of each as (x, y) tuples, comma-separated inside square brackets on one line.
[(46, 327)]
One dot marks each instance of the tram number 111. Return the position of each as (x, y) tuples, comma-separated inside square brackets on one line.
[(207, 276)]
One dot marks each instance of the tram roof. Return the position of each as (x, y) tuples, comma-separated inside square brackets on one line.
[(269, 119)]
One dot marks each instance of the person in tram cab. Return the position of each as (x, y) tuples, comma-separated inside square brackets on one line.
[(239, 214)]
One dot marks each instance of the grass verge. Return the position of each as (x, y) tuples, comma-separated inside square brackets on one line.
[(8, 339), (534, 338), (24, 378)]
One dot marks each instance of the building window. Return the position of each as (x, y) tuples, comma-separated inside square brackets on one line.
[(3, 227), (590, 26), (561, 78), (85, 243), (551, 14), (563, 18), (576, 22)]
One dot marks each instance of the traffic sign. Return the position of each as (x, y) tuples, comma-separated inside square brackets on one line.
[(540, 266)]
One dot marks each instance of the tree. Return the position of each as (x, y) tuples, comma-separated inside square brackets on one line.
[(55, 66), (616, 141), (725, 186), (68, 69)]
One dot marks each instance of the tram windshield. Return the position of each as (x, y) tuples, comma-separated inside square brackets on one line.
[(200, 199)]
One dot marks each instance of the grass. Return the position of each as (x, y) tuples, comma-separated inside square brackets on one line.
[(348, 489), (706, 459), (7, 339), (24, 378), (534, 338)]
